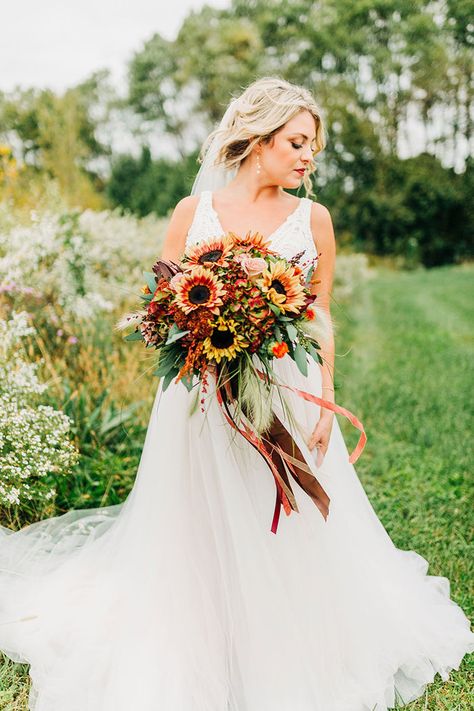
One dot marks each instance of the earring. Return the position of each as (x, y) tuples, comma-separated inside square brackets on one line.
[(259, 167)]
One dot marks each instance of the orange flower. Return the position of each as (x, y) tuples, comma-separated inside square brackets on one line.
[(251, 241), (215, 250), (283, 287), (199, 287), (280, 349), (310, 313)]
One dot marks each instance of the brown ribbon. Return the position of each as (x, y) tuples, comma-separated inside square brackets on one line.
[(282, 456), (286, 455)]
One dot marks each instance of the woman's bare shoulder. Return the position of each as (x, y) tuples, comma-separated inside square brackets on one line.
[(322, 226), (178, 226), (186, 206), (319, 210)]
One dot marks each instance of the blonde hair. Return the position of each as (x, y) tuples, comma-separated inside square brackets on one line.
[(261, 111)]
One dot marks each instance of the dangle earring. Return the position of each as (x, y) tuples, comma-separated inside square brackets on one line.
[(259, 167)]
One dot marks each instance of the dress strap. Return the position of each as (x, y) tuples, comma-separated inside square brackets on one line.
[(205, 200), (304, 221), (306, 204), (203, 223)]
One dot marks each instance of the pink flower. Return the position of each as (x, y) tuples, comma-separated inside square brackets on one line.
[(175, 280), (59, 332), (72, 339), (7, 287), (251, 265)]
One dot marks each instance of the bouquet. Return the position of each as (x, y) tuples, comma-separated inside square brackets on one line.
[(229, 299), (228, 309)]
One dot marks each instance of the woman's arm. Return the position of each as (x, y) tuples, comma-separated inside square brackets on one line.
[(178, 226), (321, 285)]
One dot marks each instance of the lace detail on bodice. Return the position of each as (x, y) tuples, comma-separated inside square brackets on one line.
[(293, 236)]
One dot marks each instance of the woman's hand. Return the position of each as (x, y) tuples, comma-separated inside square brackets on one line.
[(321, 435)]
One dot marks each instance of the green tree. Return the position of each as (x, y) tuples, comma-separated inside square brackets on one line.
[(143, 185), (57, 137)]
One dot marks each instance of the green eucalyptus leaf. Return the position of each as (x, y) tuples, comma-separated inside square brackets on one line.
[(175, 337), (309, 274), (187, 381), (314, 353), (150, 280), (163, 369), (291, 331), (169, 377), (300, 359), (135, 336), (166, 360)]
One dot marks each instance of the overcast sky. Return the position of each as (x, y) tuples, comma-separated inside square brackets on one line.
[(58, 43)]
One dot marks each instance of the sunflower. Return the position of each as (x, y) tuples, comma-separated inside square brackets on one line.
[(251, 241), (224, 341), (200, 287), (283, 287), (216, 250)]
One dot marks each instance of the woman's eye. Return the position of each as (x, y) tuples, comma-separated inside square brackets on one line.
[(297, 145)]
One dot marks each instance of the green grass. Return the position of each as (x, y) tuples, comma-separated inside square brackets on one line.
[(403, 366)]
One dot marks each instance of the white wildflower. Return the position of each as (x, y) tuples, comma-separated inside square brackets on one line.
[(34, 438)]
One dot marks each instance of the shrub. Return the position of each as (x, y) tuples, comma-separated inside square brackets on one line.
[(34, 443)]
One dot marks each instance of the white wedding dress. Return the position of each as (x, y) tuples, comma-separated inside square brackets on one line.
[(182, 599)]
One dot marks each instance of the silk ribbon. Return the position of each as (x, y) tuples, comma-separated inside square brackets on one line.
[(278, 448)]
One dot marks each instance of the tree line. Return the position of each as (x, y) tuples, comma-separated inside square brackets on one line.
[(393, 78)]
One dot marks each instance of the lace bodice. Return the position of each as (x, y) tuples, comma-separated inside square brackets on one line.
[(290, 238)]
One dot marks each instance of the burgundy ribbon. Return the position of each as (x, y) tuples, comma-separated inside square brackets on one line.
[(279, 459)]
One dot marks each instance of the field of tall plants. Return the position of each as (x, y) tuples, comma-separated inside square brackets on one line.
[(66, 278), (75, 397)]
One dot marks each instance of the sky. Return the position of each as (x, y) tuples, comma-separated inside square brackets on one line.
[(58, 43)]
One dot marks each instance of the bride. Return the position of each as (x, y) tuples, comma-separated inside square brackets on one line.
[(181, 598)]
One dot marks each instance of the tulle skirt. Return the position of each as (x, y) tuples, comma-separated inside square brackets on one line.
[(182, 599)]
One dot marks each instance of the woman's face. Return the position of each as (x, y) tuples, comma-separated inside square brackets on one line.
[(290, 150)]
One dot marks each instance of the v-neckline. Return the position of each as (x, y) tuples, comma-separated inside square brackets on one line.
[(292, 214)]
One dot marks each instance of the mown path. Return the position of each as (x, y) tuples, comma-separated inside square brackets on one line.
[(404, 359)]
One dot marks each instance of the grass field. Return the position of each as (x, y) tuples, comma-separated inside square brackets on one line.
[(403, 366)]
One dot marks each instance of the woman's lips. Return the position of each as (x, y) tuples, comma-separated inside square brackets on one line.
[(300, 171)]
